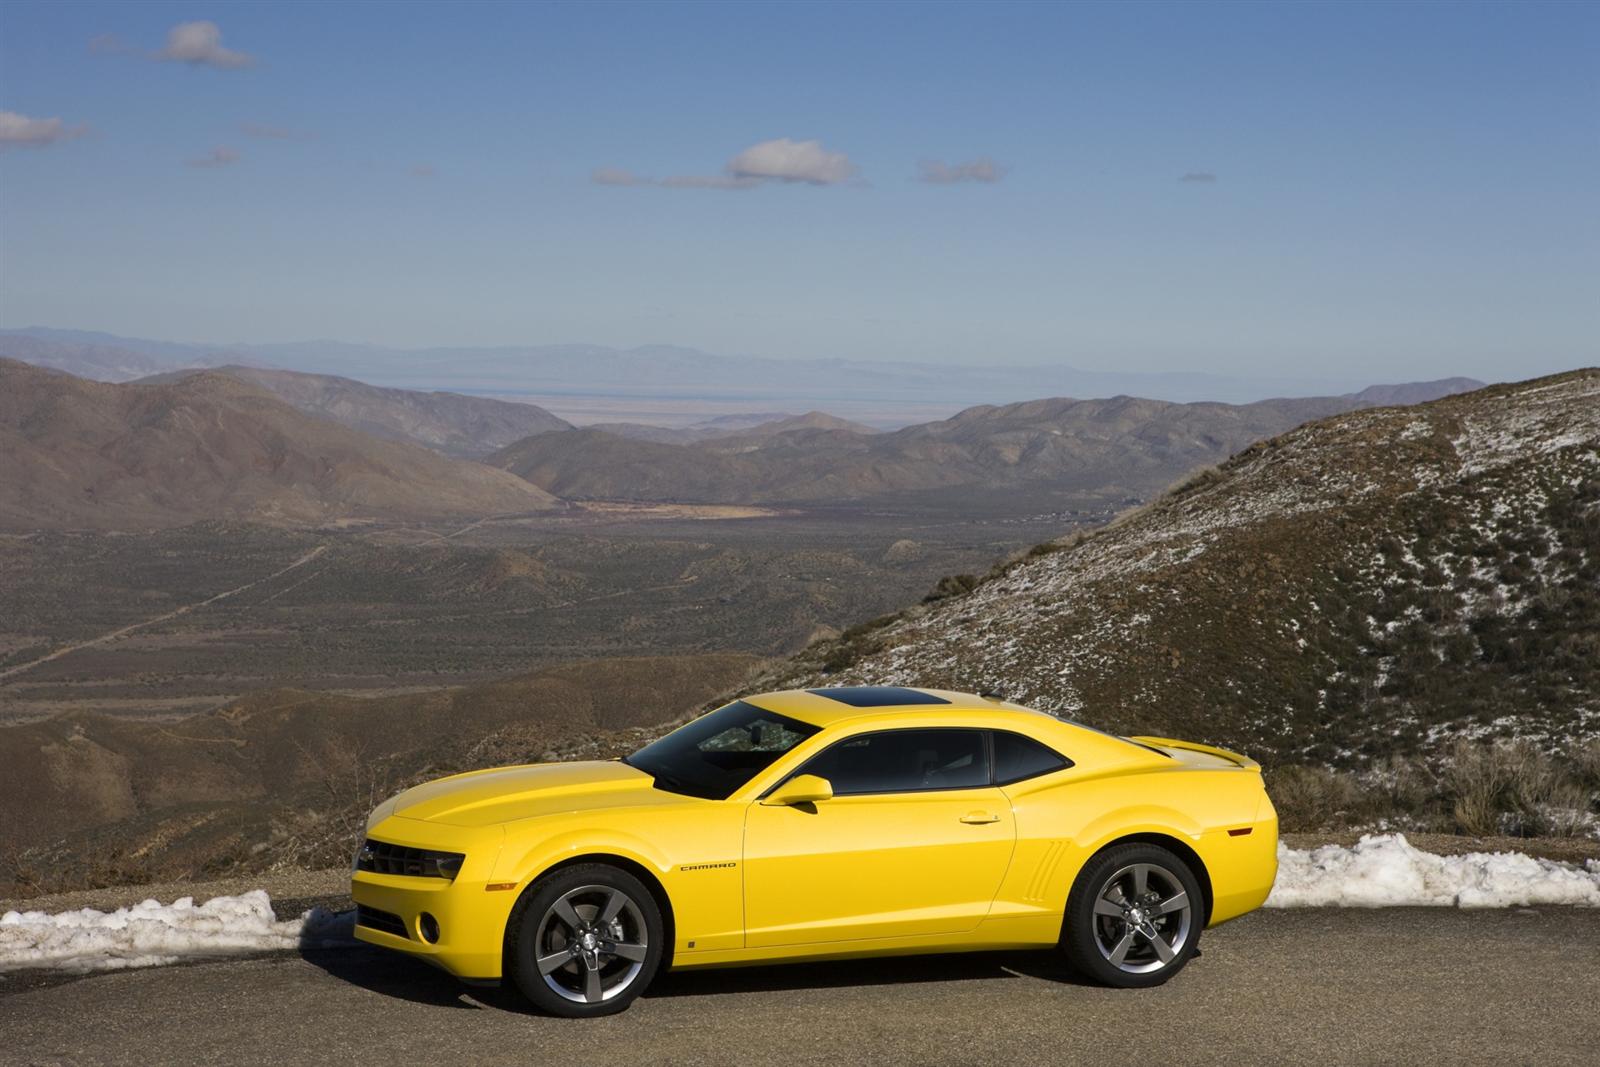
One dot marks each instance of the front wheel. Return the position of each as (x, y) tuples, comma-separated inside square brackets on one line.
[(1133, 917), (585, 941)]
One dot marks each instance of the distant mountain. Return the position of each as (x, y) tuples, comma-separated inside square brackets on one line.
[(81, 454), (456, 425), (1380, 582), (1124, 445), (660, 371), (101, 361), (1414, 392)]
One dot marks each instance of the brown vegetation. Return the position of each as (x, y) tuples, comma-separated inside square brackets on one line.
[(1482, 789), (284, 778)]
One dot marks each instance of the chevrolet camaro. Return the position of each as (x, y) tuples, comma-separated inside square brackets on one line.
[(821, 824)]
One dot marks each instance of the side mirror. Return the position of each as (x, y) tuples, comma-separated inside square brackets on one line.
[(801, 789)]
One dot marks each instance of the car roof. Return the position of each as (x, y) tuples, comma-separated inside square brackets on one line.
[(825, 706)]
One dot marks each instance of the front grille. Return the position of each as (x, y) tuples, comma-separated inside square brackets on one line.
[(386, 921), (380, 857)]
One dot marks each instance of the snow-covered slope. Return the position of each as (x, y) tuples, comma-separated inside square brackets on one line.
[(1375, 582)]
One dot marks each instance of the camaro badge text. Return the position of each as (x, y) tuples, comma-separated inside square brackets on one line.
[(705, 866)]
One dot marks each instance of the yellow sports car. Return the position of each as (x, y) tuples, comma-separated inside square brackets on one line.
[(821, 824)]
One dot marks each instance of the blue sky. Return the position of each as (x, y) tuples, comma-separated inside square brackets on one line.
[(1400, 191)]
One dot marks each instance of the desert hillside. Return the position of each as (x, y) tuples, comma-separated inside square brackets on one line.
[(91, 455), (1379, 582), (286, 776)]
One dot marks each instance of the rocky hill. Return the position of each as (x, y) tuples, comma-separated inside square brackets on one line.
[(1379, 582), (90, 455), (457, 425), (1123, 446)]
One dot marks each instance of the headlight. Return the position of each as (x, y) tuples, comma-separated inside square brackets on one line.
[(380, 857)]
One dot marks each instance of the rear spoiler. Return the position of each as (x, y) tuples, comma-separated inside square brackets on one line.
[(1177, 749)]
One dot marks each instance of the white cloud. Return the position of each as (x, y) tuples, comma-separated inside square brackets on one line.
[(220, 156), (780, 160), (1199, 177), (616, 176), (792, 161), (200, 44), (982, 169), (21, 131)]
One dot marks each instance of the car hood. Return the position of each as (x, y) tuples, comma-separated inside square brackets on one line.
[(483, 798)]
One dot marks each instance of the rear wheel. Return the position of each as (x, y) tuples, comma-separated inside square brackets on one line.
[(585, 941), (1134, 916)]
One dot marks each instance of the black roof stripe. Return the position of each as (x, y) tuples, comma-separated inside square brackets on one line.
[(877, 696)]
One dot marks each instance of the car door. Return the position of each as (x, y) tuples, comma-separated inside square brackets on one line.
[(914, 841)]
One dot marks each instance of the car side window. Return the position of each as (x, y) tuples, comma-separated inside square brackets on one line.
[(1017, 757), (903, 761)]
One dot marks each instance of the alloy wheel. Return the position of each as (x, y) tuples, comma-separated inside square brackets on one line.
[(1143, 918), (591, 944)]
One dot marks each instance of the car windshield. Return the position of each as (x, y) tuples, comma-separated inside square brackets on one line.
[(717, 753)]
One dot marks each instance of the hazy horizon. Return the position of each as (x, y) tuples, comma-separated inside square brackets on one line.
[(664, 384)]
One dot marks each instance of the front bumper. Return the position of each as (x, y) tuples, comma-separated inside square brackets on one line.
[(471, 919)]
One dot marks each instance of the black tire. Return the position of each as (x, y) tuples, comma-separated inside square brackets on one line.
[(1143, 933), (537, 930)]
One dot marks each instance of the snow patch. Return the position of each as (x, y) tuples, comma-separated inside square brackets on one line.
[(1385, 870), (153, 933)]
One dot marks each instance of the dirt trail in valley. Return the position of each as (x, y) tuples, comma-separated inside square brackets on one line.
[(66, 650)]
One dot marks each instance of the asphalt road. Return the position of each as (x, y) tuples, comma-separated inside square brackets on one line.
[(1404, 985)]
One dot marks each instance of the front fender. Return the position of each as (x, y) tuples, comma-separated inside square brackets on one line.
[(527, 854), (694, 857)]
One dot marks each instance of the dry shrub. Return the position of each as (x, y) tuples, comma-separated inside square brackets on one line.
[(1309, 799), (1478, 788), (1586, 766), (1401, 785), (1512, 787)]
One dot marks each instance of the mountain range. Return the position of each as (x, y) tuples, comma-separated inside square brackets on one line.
[(269, 445), (657, 371), (1118, 447)]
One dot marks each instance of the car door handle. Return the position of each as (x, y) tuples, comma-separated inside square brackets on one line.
[(979, 817)]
